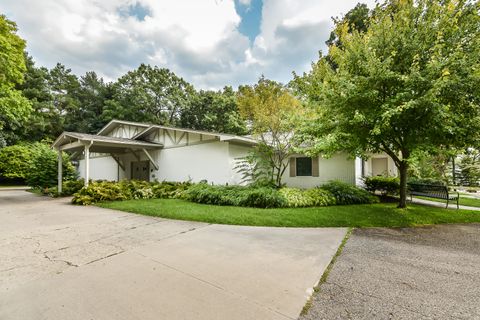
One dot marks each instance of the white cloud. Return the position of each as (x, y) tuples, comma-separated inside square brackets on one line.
[(198, 40)]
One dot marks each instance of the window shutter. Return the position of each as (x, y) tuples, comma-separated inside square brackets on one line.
[(315, 171), (293, 167)]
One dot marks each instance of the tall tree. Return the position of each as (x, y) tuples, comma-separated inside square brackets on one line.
[(92, 95), (14, 107), (273, 113), (42, 120), (64, 87), (410, 82), (149, 94), (356, 20), (214, 111)]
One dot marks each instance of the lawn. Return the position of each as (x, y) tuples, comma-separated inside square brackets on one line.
[(464, 201), (372, 215)]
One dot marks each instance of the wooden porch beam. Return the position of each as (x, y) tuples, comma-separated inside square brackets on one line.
[(117, 160), (150, 158)]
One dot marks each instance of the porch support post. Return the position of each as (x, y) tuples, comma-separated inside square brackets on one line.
[(150, 158), (60, 171), (87, 163)]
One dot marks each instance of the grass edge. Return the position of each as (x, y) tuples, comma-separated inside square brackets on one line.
[(325, 274)]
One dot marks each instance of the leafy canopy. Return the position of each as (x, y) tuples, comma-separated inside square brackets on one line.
[(408, 83), (273, 112), (14, 107)]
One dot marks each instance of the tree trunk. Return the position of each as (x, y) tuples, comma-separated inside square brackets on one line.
[(403, 184)]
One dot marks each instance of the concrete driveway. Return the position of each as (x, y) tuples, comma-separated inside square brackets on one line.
[(59, 261)]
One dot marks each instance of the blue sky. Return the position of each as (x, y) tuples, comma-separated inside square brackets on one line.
[(251, 15), (210, 43)]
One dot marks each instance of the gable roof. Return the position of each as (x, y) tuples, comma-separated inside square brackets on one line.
[(75, 140), (148, 128)]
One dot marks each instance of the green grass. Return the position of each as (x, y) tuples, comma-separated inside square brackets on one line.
[(463, 201), (371, 215)]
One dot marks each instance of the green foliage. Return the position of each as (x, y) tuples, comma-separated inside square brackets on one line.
[(386, 185), (315, 197), (273, 112), (69, 187), (259, 197), (15, 161), (43, 169), (255, 170), (431, 165), (215, 111), (408, 83), (98, 191), (14, 107), (149, 94), (348, 194), (430, 181), (470, 167)]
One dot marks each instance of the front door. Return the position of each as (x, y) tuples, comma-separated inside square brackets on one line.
[(379, 166), (141, 170)]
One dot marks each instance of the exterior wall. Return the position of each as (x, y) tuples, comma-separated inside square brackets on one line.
[(101, 168), (236, 151), (338, 167), (125, 131), (369, 170), (177, 138), (206, 161)]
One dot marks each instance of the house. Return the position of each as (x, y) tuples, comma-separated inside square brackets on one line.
[(132, 150)]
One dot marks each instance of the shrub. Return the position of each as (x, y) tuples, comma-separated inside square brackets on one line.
[(170, 190), (307, 198), (386, 185), (348, 194), (260, 197), (42, 172), (128, 189), (15, 161), (430, 181), (68, 188)]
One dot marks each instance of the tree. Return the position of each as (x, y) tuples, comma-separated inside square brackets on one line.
[(470, 167), (273, 113), (215, 111), (408, 83), (355, 19), (92, 95), (149, 94), (43, 167), (14, 108), (15, 161)]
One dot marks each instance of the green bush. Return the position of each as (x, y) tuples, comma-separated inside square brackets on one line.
[(15, 161), (348, 194), (259, 197), (386, 185), (315, 197), (98, 191), (429, 181), (42, 172), (68, 188)]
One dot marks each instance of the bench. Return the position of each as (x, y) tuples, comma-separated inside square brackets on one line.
[(432, 191)]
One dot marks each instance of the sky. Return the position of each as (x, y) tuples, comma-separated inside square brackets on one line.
[(209, 43)]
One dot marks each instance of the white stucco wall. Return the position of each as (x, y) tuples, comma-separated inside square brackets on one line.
[(391, 168), (206, 161), (101, 168), (338, 167), (236, 152)]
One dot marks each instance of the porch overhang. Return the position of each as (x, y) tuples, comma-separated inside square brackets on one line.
[(81, 142), (74, 141)]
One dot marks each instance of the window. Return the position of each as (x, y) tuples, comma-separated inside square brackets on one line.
[(304, 166)]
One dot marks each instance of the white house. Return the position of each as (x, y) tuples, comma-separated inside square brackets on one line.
[(132, 150)]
